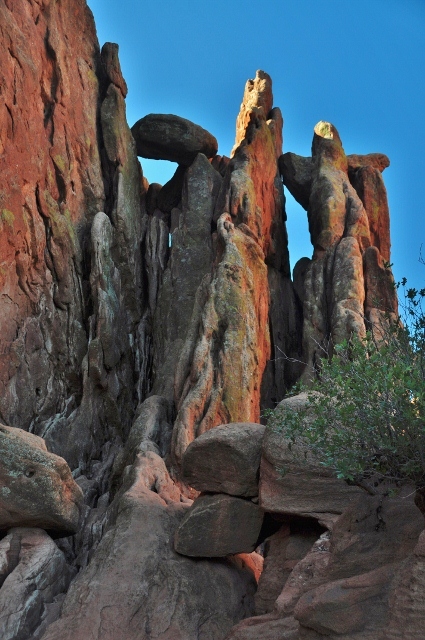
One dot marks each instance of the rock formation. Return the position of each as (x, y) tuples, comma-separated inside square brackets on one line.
[(143, 329), (347, 287)]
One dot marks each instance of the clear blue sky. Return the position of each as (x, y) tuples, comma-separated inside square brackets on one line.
[(358, 64)]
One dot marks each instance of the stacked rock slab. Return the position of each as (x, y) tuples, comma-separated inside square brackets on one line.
[(136, 587), (108, 333), (224, 462), (351, 582), (347, 287)]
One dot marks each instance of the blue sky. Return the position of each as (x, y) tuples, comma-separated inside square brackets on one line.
[(359, 65)]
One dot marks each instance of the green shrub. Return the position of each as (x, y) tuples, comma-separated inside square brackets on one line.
[(365, 415)]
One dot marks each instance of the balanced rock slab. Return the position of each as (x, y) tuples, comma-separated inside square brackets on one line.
[(225, 459), (36, 487), (219, 525), (169, 137)]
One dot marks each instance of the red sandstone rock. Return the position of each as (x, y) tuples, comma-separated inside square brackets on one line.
[(53, 187), (348, 218), (36, 487), (225, 459), (305, 488), (283, 550), (214, 384), (112, 67)]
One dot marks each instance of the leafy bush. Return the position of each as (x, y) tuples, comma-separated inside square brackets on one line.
[(365, 415)]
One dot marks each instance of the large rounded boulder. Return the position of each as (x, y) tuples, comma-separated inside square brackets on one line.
[(36, 487)]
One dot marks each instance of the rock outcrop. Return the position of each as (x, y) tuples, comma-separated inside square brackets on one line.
[(143, 328), (139, 587), (347, 288), (219, 525), (34, 577)]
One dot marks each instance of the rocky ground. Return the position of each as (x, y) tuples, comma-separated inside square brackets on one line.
[(142, 329)]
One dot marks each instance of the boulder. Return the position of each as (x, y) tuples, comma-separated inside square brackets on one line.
[(225, 459), (169, 137), (219, 525), (346, 606), (36, 487)]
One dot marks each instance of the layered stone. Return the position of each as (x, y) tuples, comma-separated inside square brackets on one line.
[(53, 187), (139, 586), (293, 482)]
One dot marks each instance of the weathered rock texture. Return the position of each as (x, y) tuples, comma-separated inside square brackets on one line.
[(218, 526), (36, 487), (214, 384), (348, 286), (52, 187), (134, 320), (293, 482), (225, 460)]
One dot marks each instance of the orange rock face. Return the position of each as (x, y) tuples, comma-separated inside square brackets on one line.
[(51, 188), (218, 379)]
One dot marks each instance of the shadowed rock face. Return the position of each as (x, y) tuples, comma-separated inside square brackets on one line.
[(139, 587), (34, 576)]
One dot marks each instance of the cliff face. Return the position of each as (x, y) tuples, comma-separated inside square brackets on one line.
[(52, 187), (136, 318)]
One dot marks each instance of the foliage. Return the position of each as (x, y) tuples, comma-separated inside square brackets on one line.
[(365, 415)]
